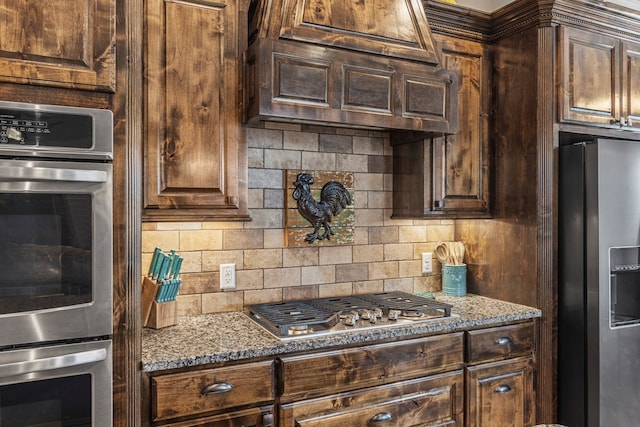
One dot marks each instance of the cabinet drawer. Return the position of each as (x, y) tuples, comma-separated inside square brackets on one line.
[(431, 401), (253, 417), (328, 372), (208, 390), (501, 342)]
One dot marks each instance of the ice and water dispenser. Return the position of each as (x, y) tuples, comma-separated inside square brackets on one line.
[(624, 285)]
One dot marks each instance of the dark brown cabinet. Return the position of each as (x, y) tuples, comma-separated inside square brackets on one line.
[(240, 395), (483, 376), (195, 148), (448, 176), (600, 79), (500, 394), (67, 43), (416, 382), (499, 376)]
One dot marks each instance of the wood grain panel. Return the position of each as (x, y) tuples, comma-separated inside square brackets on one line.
[(195, 165), (431, 401), (590, 72), (68, 43), (182, 394), (389, 28), (329, 372), (501, 342), (631, 83), (501, 394)]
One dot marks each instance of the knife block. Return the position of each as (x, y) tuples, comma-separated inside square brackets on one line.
[(154, 314), (162, 314)]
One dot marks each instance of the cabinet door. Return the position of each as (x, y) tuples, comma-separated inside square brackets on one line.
[(195, 159), (631, 83), (590, 73), (63, 43), (501, 394), (448, 177)]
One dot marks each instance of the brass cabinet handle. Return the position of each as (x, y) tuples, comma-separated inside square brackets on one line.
[(382, 417), (222, 387), (503, 341), (502, 389)]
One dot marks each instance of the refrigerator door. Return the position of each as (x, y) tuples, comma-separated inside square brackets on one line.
[(599, 232)]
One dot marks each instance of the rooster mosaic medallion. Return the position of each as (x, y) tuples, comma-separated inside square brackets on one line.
[(324, 204)]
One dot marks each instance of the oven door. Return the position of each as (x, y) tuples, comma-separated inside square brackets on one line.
[(65, 385), (55, 251)]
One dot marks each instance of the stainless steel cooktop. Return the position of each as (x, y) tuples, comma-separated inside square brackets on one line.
[(328, 316)]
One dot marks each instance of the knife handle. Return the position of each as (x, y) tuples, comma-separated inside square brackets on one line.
[(154, 261)]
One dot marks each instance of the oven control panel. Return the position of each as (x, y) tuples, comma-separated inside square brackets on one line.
[(55, 131)]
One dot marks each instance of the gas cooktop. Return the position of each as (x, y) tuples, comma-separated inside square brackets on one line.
[(328, 316)]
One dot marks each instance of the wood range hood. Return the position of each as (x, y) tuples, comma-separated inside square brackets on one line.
[(351, 63)]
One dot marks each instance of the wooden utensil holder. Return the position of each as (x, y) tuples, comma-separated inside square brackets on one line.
[(154, 314)]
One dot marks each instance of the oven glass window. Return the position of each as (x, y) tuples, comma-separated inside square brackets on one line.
[(63, 402), (45, 246)]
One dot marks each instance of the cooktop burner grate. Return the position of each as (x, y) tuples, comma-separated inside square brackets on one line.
[(329, 315)]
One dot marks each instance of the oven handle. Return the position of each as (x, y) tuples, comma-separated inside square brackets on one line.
[(22, 173), (51, 363)]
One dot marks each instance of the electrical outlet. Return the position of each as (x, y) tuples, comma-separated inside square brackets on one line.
[(427, 266), (227, 276)]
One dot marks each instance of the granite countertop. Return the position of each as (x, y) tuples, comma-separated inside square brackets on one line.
[(222, 337)]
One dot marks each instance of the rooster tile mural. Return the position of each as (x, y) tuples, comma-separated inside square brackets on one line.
[(319, 208)]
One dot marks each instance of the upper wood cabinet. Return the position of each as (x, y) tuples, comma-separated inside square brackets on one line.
[(448, 176), (195, 148), (65, 43), (600, 79)]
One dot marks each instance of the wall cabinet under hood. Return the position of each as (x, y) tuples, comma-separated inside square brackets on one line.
[(324, 63), (447, 176)]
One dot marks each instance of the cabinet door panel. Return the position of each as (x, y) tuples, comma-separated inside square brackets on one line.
[(590, 77), (462, 183), (501, 394), (631, 83), (195, 164), (65, 43)]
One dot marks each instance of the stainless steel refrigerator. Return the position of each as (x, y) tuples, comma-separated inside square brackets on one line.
[(599, 284)]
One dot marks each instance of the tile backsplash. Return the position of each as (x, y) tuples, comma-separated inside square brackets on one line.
[(385, 254)]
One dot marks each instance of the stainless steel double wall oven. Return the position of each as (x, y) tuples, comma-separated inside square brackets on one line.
[(56, 256)]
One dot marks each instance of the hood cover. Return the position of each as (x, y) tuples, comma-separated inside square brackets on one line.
[(354, 63)]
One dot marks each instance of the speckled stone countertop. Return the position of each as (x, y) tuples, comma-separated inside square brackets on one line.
[(211, 338)]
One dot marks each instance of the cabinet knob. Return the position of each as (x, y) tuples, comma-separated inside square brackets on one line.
[(222, 387), (382, 417), (502, 389)]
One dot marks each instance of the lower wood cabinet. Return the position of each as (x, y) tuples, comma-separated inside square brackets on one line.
[(198, 397), (499, 376), (431, 401), (500, 394), (478, 378)]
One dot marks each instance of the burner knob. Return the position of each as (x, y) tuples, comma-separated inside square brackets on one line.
[(351, 319), (394, 314), (365, 314), (378, 312)]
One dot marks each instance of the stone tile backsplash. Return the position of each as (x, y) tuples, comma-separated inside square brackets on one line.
[(385, 254)]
